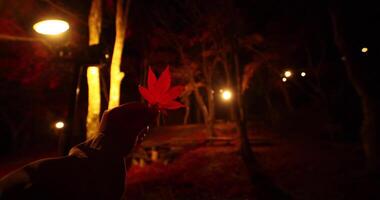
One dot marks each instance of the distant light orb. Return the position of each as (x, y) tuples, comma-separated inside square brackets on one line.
[(51, 27), (226, 95), (288, 74), (284, 79), (221, 90), (59, 125), (303, 74), (364, 50)]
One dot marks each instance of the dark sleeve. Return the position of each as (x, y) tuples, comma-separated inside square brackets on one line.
[(27, 182), (15, 184)]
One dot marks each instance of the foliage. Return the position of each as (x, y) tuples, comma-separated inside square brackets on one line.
[(159, 92)]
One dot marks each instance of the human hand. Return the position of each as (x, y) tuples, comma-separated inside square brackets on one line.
[(126, 125)]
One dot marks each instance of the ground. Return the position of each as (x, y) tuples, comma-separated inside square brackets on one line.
[(190, 167)]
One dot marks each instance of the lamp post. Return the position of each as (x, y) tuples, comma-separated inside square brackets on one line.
[(56, 27), (90, 55)]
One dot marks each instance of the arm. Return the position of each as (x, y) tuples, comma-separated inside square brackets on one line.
[(14, 183)]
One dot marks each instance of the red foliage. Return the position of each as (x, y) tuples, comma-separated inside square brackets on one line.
[(159, 92)]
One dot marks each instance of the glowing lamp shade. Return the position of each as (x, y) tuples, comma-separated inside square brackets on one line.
[(226, 95), (51, 27), (59, 125)]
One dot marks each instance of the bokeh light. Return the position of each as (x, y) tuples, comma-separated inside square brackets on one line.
[(59, 125), (226, 95), (287, 73)]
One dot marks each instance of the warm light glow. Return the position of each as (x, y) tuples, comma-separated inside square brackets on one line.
[(226, 95), (51, 27), (93, 70), (116, 76), (59, 125), (94, 104), (284, 79), (303, 74), (364, 49), (288, 74), (154, 156)]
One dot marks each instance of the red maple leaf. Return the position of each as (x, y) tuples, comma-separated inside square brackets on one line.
[(159, 92)]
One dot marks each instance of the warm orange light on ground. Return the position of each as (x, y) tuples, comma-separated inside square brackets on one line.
[(59, 125), (154, 156), (226, 95), (287, 73), (51, 27)]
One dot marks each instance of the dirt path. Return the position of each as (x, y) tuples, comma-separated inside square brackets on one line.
[(304, 167)]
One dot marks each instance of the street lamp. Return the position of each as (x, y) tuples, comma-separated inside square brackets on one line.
[(226, 95), (364, 50), (51, 27), (303, 74), (59, 125), (288, 73), (284, 79)]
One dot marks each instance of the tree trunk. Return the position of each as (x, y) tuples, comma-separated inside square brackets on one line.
[(198, 97), (288, 101), (211, 113), (272, 113), (187, 114), (93, 79), (208, 72), (241, 121), (362, 74), (202, 105), (264, 187), (116, 76), (15, 127)]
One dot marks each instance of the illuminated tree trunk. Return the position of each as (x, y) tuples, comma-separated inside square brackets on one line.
[(116, 76), (93, 79)]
